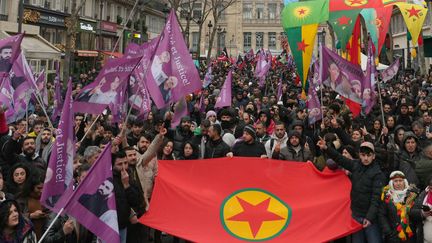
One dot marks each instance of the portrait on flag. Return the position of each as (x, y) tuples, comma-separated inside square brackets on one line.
[(342, 76), (172, 72), (10, 48), (109, 88)]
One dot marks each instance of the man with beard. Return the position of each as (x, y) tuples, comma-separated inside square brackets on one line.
[(135, 232), (5, 56), (134, 135), (249, 147), (201, 139), (215, 146), (278, 139), (44, 142), (182, 134), (404, 118)]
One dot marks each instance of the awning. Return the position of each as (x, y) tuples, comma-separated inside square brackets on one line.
[(364, 62), (86, 53), (113, 54), (36, 47)]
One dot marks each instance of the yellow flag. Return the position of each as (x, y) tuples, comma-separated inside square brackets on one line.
[(414, 16)]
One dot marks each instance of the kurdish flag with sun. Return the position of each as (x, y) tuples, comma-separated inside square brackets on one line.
[(300, 21)]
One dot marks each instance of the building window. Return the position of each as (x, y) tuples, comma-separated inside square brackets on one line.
[(195, 36), (259, 38), (272, 10), (222, 12), (247, 10), (272, 40), (260, 10), (197, 11), (247, 41), (3, 7)]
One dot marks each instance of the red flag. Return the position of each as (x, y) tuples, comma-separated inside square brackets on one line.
[(252, 199), (354, 54), (338, 5), (383, 21)]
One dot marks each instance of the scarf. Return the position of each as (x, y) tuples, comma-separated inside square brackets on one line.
[(428, 197)]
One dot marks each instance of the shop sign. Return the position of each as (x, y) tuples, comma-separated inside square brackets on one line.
[(87, 26), (108, 26)]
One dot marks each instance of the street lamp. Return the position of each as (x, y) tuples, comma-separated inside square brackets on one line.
[(259, 39), (100, 25), (221, 32), (231, 41)]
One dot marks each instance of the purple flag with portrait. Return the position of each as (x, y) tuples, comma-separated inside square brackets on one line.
[(342, 76), (262, 67), (224, 99), (10, 49), (59, 174), (391, 71), (42, 87), (369, 80), (134, 50), (22, 81), (172, 73), (6, 98), (279, 92), (58, 99), (313, 105), (108, 89), (180, 110), (93, 203), (208, 78)]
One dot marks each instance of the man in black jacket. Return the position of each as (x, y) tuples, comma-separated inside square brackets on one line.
[(249, 147), (215, 146), (127, 194), (367, 182)]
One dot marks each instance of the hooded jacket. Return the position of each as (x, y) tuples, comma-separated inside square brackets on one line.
[(405, 155), (270, 144), (291, 153)]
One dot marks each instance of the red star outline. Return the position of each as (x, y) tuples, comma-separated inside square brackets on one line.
[(413, 12), (255, 215), (301, 46), (302, 11), (344, 20)]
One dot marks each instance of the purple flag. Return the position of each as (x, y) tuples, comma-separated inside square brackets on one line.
[(180, 110), (342, 76), (93, 203), (279, 93), (313, 105), (59, 174), (316, 79), (224, 98), (369, 80), (391, 71), (10, 49), (22, 81), (42, 88), (58, 99), (6, 98), (133, 50), (250, 55), (108, 89), (208, 78), (172, 73)]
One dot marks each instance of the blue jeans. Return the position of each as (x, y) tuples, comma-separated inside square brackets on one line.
[(371, 234), (123, 235)]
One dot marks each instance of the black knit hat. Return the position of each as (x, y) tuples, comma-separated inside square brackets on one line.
[(250, 130)]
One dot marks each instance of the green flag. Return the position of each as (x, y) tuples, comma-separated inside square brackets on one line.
[(343, 23), (297, 14)]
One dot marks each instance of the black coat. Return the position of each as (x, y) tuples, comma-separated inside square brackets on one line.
[(244, 149), (125, 199), (417, 217), (390, 220), (216, 149), (367, 183)]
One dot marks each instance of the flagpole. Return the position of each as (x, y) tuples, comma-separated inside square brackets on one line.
[(381, 104), (90, 128), (51, 225), (39, 98), (124, 25), (320, 78), (27, 112)]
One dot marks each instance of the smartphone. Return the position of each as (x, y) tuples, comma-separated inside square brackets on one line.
[(426, 208)]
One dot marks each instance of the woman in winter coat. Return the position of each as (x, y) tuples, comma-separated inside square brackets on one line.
[(421, 214), (14, 228), (189, 151), (397, 199)]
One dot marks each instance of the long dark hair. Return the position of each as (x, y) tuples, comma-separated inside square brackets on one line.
[(160, 154), (4, 213), (194, 154)]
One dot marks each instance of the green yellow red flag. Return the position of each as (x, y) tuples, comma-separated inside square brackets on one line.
[(250, 200), (297, 14), (338, 5), (414, 16), (342, 23), (301, 41)]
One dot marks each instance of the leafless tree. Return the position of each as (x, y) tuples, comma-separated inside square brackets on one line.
[(71, 33), (217, 8)]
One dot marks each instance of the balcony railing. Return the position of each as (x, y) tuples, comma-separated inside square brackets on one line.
[(3, 17)]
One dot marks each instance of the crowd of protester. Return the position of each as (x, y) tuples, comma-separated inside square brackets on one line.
[(387, 158)]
